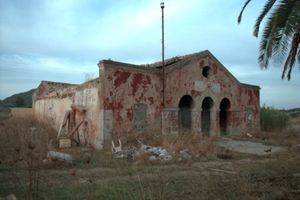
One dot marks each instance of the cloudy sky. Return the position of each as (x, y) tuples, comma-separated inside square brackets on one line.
[(63, 40)]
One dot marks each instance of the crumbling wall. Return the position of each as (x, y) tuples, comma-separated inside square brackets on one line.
[(51, 101), (188, 77), (131, 98), (250, 109), (85, 108)]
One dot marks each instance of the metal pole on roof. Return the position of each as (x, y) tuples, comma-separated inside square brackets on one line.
[(162, 5)]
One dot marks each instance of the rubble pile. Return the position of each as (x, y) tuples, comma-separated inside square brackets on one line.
[(155, 153)]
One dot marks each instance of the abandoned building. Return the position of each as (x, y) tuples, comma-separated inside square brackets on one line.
[(191, 94)]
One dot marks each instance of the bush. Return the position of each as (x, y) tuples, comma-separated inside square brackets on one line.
[(19, 102), (272, 119)]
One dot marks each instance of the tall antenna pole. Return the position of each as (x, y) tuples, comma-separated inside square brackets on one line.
[(162, 5)]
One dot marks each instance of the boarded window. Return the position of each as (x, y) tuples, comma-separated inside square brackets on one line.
[(140, 115)]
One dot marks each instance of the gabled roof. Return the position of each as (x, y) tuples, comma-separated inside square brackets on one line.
[(171, 64)]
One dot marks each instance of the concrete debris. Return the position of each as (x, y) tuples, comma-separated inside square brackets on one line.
[(59, 155), (185, 154), (249, 135), (152, 158), (129, 154), (155, 153), (159, 152)]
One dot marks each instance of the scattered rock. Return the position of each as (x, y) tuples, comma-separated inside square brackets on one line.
[(159, 152), (152, 158), (155, 153), (268, 150), (223, 153), (249, 135), (185, 154), (85, 180)]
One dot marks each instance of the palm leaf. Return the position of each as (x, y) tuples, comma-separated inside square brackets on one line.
[(278, 31), (287, 19), (292, 55), (298, 56), (265, 49), (262, 15), (281, 34), (241, 13)]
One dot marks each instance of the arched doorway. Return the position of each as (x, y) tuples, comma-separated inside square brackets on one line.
[(207, 104), (185, 114), (223, 117)]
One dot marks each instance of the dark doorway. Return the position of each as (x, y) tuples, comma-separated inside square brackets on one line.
[(185, 114), (207, 104), (224, 107)]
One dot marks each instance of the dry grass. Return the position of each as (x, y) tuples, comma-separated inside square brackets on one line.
[(95, 175), (22, 112), (23, 146), (195, 144)]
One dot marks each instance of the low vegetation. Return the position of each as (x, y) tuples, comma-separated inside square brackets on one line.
[(26, 172), (272, 119)]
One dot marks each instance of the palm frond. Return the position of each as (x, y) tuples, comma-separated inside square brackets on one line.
[(265, 49), (298, 56), (287, 17), (281, 33), (241, 13), (292, 55), (278, 31), (262, 15)]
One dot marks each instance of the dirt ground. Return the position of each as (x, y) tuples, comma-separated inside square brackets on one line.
[(219, 173)]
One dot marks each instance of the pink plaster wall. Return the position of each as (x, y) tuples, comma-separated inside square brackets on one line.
[(125, 87)]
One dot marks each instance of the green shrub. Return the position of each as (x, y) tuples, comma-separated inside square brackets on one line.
[(272, 119)]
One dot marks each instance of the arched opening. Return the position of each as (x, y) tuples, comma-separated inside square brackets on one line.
[(207, 104), (223, 117), (185, 114)]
